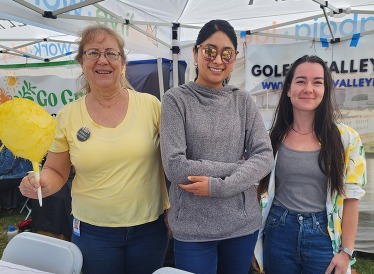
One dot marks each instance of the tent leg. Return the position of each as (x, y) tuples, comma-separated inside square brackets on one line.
[(160, 77)]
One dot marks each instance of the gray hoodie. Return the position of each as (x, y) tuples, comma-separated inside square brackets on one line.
[(207, 132)]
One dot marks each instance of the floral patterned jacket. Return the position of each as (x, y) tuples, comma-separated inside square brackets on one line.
[(355, 178)]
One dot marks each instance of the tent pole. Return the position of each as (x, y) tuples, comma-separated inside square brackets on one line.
[(324, 3), (13, 51), (363, 11), (160, 73), (30, 6), (328, 23), (53, 14), (268, 34), (175, 70), (75, 6), (175, 50), (254, 31)]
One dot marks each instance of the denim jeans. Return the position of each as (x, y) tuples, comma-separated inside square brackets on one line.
[(296, 243), (231, 256), (138, 249)]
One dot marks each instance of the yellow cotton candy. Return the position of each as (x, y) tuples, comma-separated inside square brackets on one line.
[(26, 128)]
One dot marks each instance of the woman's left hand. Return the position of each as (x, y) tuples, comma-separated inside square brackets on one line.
[(340, 263), (199, 186)]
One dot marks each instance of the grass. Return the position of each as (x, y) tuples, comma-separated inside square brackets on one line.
[(364, 264), (9, 218)]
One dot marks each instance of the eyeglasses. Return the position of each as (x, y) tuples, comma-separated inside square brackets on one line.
[(94, 54), (210, 53)]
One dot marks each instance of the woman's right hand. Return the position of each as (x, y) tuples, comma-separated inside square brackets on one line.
[(53, 176), (29, 186)]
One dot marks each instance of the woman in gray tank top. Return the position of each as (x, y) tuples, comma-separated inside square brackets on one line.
[(316, 183)]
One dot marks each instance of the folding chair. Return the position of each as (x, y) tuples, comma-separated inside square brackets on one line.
[(25, 205), (44, 253), (170, 270)]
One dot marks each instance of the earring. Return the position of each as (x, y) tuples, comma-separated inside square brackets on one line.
[(195, 63)]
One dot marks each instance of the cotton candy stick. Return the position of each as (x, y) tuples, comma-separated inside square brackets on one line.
[(35, 167)]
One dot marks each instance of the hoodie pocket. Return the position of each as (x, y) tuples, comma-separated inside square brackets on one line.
[(244, 205)]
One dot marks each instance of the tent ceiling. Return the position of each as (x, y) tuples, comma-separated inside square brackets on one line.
[(147, 25)]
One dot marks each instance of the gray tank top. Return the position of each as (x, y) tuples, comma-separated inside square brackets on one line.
[(300, 185)]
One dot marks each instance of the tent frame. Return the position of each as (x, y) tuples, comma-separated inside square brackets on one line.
[(175, 46)]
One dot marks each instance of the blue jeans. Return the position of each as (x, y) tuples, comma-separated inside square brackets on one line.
[(138, 249), (296, 243), (231, 256)]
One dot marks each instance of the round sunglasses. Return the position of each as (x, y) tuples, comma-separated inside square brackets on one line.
[(210, 53)]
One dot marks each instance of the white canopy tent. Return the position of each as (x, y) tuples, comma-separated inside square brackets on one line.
[(168, 28)]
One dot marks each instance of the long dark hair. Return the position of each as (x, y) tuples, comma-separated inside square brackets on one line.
[(331, 155), (211, 28)]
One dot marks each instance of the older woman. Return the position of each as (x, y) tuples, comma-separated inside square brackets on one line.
[(111, 136)]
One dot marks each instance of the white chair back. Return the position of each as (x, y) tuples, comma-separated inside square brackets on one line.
[(170, 270), (44, 253)]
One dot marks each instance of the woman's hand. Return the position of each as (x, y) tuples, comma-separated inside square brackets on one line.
[(53, 176), (255, 266), (339, 262), (199, 186), (29, 186), (166, 220)]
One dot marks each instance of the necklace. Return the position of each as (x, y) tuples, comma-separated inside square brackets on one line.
[(116, 98), (300, 132)]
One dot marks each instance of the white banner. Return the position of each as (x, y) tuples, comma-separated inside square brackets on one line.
[(352, 66), (50, 87)]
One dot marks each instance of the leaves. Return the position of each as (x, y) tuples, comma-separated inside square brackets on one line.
[(27, 91)]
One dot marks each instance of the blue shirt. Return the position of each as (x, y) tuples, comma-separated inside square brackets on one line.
[(12, 167)]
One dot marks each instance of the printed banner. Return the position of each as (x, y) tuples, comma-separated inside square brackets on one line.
[(37, 84), (352, 66)]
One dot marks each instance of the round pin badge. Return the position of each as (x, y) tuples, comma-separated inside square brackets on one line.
[(83, 134)]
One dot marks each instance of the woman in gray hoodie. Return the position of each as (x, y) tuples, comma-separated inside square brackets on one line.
[(215, 149)]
